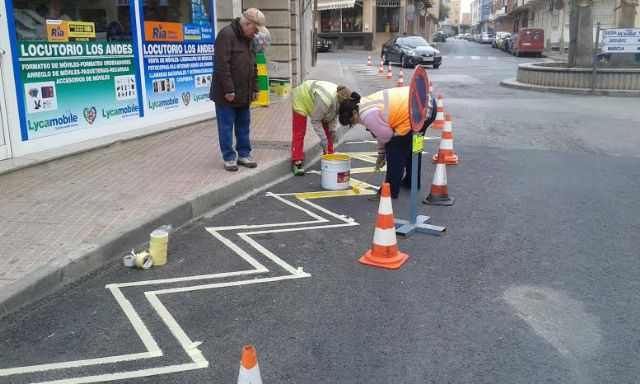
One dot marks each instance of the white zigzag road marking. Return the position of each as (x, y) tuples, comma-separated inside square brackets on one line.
[(198, 361)]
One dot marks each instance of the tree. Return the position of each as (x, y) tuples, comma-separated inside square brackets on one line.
[(580, 33), (444, 11)]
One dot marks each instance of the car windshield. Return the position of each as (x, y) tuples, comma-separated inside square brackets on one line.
[(414, 41)]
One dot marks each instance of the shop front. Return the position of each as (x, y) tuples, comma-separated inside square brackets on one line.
[(85, 69), (344, 24)]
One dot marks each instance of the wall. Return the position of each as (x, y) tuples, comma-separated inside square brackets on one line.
[(280, 25)]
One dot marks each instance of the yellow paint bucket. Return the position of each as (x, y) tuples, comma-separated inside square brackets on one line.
[(336, 171)]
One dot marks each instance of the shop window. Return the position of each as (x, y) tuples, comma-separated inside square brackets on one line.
[(330, 20), (342, 20), (178, 11), (110, 19), (352, 19), (388, 19)]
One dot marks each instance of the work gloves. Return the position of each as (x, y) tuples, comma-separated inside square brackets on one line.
[(324, 143), (381, 160)]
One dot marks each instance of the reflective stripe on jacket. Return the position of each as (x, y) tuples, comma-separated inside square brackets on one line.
[(393, 103), (304, 95)]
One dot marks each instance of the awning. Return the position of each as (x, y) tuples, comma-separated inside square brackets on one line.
[(323, 5), (387, 3)]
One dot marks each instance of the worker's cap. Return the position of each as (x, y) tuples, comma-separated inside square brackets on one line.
[(255, 16)]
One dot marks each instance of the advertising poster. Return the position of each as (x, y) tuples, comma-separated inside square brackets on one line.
[(75, 85), (178, 61)]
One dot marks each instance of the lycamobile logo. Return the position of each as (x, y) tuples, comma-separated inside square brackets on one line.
[(202, 96), (122, 111), (163, 103), (55, 122)]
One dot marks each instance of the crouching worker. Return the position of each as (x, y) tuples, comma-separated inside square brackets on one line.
[(319, 101), (385, 114)]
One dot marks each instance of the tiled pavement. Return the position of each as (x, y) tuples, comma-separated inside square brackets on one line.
[(50, 210)]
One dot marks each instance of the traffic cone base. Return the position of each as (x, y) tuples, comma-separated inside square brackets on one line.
[(384, 251), (449, 159), (393, 262), (389, 74), (369, 61)]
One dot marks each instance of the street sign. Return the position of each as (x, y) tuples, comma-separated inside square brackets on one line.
[(621, 40), (419, 98)]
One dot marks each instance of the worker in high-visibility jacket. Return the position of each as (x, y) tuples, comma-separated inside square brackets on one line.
[(318, 100), (385, 114)]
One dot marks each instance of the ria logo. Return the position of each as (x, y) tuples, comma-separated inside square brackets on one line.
[(90, 114)]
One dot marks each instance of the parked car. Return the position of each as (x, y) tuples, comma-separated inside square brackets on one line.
[(440, 37), (498, 40), (410, 51), (486, 38), (529, 41), (323, 45), (507, 42)]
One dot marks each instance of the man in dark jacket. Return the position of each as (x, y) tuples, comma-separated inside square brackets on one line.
[(235, 86)]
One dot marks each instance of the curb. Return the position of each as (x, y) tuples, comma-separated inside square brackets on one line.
[(515, 84), (108, 248)]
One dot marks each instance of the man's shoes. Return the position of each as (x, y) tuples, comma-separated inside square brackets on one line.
[(247, 162), (298, 169), (230, 165)]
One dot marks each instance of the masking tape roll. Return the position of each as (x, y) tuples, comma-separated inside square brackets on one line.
[(144, 260), (129, 260)]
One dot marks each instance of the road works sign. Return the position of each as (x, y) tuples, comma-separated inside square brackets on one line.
[(621, 40), (419, 102)]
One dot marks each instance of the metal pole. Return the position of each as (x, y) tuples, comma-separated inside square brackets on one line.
[(414, 184), (314, 35), (595, 60)]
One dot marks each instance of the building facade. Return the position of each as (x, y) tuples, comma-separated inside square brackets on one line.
[(550, 15), (451, 25), (367, 24), (84, 73)]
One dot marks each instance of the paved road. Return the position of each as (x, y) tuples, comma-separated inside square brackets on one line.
[(535, 280)]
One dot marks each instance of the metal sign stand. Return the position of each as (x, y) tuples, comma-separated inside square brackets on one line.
[(416, 223), (418, 105)]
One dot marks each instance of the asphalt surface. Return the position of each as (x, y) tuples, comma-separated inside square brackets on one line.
[(535, 280)]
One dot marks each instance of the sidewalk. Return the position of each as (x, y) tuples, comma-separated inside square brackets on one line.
[(62, 219)]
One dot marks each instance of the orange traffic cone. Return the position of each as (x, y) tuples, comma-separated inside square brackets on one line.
[(446, 144), (389, 74), (384, 251), (439, 194), (381, 69), (400, 79), (249, 369), (430, 86), (438, 123), (369, 61)]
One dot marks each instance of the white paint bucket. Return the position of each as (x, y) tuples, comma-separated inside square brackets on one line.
[(336, 170)]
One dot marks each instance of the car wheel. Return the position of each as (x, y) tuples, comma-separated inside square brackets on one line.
[(436, 66), (403, 62), (385, 59)]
